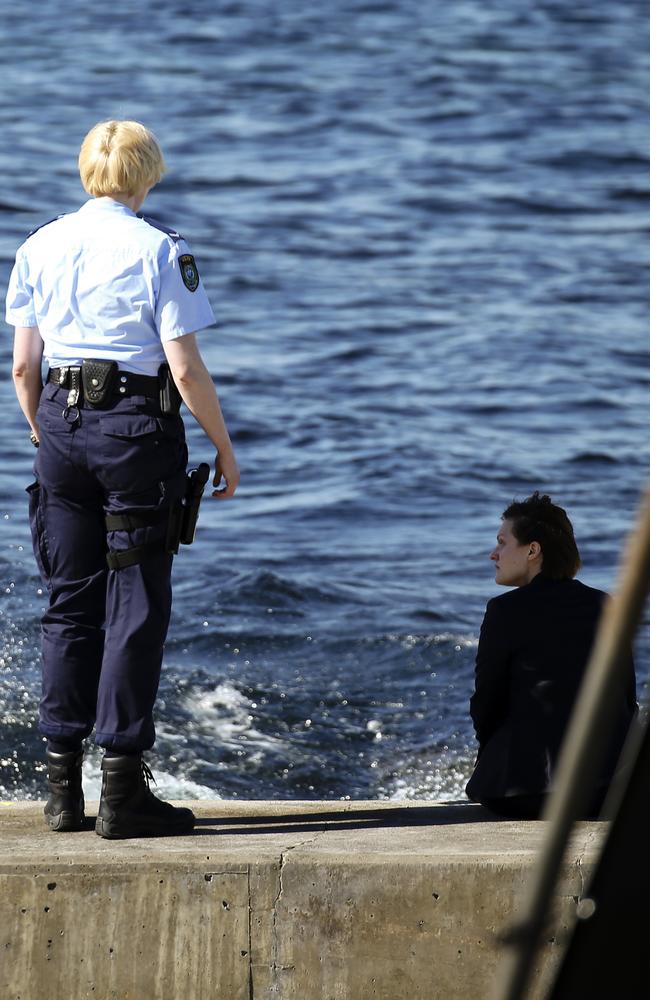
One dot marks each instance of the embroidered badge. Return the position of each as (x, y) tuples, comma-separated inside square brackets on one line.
[(189, 271)]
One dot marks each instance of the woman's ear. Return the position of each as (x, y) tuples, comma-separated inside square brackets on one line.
[(534, 550)]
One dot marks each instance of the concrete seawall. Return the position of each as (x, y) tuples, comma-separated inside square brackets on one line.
[(272, 901)]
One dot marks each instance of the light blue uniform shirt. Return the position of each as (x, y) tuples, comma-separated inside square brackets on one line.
[(104, 283)]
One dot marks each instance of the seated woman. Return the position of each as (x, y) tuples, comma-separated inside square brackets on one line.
[(533, 650)]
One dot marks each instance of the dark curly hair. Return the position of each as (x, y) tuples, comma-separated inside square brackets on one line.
[(538, 519)]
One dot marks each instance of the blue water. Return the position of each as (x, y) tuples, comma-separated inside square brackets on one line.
[(424, 228)]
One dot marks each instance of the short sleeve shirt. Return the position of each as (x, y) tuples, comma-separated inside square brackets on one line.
[(106, 283)]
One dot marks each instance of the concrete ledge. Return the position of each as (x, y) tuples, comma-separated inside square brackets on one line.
[(288, 900)]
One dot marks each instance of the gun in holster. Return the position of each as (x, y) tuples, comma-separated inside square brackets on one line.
[(183, 515)]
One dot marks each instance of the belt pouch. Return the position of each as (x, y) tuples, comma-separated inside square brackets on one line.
[(170, 397), (97, 378)]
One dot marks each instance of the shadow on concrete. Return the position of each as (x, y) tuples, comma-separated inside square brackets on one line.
[(448, 814)]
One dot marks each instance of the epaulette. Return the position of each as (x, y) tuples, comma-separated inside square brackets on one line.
[(161, 226), (44, 224)]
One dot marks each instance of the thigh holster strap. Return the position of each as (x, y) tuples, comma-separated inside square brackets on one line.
[(130, 522), (121, 559), (133, 556)]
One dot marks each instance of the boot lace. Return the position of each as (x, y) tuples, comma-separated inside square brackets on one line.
[(147, 775)]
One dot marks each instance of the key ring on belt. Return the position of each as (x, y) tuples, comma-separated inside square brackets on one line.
[(73, 398)]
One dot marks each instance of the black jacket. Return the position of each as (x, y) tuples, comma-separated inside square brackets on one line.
[(533, 649)]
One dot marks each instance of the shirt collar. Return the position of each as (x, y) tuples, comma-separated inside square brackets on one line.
[(107, 204)]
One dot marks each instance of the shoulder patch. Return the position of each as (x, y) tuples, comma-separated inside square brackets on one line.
[(161, 226), (189, 271), (44, 224)]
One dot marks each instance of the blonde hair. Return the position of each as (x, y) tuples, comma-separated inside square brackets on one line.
[(120, 157)]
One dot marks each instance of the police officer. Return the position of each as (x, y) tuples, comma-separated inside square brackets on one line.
[(112, 300)]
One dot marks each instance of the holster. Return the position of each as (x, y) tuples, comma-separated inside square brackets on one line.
[(170, 397), (181, 523), (183, 516), (97, 379)]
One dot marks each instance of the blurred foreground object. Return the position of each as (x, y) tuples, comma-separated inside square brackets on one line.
[(610, 911)]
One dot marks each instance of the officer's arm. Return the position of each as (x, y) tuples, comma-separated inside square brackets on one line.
[(200, 396), (28, 354)]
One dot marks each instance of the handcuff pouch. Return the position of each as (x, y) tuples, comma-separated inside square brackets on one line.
[(97, 378)]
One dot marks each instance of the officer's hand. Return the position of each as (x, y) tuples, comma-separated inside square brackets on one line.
[(225, 466)]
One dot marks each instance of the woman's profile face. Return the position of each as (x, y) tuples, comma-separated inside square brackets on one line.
[(514, 564)]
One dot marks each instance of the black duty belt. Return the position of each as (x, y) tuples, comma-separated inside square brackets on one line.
[(125, 384)]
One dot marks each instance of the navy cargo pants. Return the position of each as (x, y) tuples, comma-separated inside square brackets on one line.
[(104, 629)]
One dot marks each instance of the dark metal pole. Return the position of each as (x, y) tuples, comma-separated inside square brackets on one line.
[(582, 752)]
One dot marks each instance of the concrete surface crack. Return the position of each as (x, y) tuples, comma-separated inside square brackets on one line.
[(283, 860), (581, 873), (584, 878), (277, 965)]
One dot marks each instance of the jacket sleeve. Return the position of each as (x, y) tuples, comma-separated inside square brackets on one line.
[(489, 703)]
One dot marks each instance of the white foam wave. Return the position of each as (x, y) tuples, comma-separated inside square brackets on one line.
[(224, 714), (440, 779)]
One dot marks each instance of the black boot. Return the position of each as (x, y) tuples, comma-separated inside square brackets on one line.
[(128, 808), (64, 810)]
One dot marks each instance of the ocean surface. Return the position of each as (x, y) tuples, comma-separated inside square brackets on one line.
[(425, 231)]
